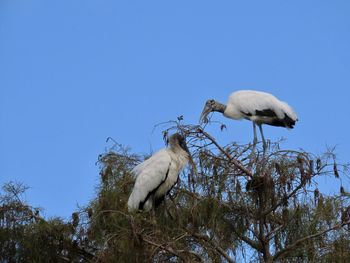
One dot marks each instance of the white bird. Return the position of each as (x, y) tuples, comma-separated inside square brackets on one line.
[(156, 176), (256, 106)]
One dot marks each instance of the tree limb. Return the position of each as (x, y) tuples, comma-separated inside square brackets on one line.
[(165, 247), (237, 163), (301, 240), (216, 246)]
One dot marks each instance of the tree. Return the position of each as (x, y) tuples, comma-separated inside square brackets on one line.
[(27, 237), (235, 205)]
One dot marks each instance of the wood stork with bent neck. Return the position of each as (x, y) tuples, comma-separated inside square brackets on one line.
[(256, 106), (156, 176)]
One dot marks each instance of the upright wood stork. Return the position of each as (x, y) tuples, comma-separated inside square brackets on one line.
[(256, 106), (156, 176)]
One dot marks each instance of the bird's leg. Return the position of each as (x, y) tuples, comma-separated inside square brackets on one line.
[(263, 138), (153, 211), (255, 140), (167, 211)]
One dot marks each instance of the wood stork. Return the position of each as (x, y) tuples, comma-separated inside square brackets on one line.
[(156, 176), (256, 106)]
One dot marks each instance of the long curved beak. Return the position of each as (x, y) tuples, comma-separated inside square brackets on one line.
[(204, 115)]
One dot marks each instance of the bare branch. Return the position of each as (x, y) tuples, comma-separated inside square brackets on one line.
[(301, 240), (216, 246), (165, 247), (237, 163)]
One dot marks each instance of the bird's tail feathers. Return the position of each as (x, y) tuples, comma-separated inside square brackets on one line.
[(134, 201)]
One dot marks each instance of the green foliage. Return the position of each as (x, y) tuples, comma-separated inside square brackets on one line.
[(27, 237), (234, 204)]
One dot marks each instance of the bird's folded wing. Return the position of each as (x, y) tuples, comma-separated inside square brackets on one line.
[(256, 103), (149, 175)]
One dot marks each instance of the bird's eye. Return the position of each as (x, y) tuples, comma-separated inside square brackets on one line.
[(210, 102)]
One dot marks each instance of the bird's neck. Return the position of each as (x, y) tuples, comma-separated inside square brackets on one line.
[(179, 156), (219, 107), (178, 149)]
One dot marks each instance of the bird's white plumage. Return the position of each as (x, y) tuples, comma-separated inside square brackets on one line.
[(156, 176), (149, 175), (249, 101), (257, 106)]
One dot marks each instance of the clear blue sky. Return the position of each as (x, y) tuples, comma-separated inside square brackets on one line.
[(73, 73)]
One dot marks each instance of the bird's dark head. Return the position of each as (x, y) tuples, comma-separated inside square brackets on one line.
[(178, 140), (208, 107)]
